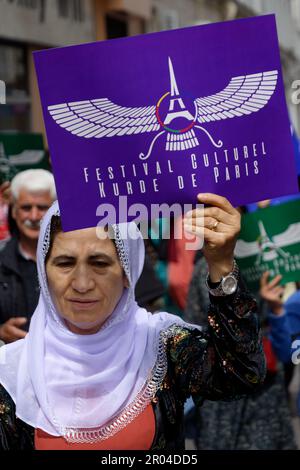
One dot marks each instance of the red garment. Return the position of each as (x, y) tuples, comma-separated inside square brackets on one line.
[(138, 435), (271, 360), (4, 230), (180, 268)]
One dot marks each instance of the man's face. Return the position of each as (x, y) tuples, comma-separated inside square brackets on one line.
[(28, 211)]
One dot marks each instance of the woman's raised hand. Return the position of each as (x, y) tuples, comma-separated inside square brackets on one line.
[(219, 224)]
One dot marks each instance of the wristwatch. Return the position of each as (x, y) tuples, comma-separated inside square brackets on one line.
[(227, 285)]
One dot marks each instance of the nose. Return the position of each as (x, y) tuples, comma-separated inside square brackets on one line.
[(83, 280), (35, 214)]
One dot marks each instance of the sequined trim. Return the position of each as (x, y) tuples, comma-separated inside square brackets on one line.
[(142, 400), (122, 252)]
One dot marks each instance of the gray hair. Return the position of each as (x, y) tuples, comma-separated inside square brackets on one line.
[(33, 181)]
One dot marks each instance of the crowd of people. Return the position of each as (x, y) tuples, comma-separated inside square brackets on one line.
[(106, 341)]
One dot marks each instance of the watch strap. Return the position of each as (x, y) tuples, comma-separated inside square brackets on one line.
[(216, 289)]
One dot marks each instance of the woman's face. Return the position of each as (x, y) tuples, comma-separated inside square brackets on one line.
[(85, 278)]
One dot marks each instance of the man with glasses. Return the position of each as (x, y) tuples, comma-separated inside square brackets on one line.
[(33, 192)]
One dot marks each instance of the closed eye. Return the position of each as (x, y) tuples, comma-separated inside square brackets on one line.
[(65, 264), (100, 264)]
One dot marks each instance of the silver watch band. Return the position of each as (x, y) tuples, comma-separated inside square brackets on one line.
[(222, 289)]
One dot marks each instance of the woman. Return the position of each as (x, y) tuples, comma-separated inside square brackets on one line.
[(98, 372)]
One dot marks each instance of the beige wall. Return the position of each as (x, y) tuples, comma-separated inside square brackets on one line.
[(135, 26), (37, 121), (178, 13), (28, 23), (101, 7), (139, 8)]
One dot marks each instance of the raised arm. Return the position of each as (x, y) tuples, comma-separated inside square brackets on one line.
[(226, 361)]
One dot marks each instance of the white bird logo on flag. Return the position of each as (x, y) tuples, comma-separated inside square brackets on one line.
[(268, 248)]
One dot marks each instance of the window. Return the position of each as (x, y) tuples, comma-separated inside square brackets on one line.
[(116, 26), (163, 19), (15, 114), (295, 11), (71, 9)]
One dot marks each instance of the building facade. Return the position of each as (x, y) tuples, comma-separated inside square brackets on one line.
[(26, 26), (288, 25), (30, 25)]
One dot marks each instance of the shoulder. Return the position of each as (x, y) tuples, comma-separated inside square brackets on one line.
[(177, 333), (180, 331), (7, 247), (184, 340), (292, 310), (7, 408), (8, 254), (14, 433), (3, 244), (5, 399), (294, 300)]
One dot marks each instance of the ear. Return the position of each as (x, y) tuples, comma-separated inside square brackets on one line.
[(13, 211), (126, 282)]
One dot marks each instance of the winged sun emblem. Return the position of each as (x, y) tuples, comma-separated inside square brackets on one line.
[(99, 118), (268, 248)]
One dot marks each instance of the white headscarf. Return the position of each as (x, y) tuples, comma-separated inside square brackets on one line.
[(87, 387)]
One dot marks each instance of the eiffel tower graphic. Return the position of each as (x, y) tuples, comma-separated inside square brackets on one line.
[(177, 109), (175, 98), (268, 249)]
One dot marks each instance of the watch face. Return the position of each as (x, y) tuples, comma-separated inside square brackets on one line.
[(229, 285)]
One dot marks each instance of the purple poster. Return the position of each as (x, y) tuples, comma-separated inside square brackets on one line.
[(162, 117)]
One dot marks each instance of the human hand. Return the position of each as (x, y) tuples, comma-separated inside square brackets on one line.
[(10, 331), (272, 292), (219, 225)]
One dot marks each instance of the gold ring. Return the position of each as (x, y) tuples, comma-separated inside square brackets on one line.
[(214, 227)]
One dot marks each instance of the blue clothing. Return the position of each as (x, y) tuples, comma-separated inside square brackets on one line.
[(292, 309), (286, 327), (274, 202), (296, 144), (280, 336)]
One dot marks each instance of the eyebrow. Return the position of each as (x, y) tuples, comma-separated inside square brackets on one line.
[(92, 257)]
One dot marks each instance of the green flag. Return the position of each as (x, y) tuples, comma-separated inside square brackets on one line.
[(19, 152), (270, 241)]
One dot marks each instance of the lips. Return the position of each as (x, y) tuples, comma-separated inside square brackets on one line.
[(83, 304)]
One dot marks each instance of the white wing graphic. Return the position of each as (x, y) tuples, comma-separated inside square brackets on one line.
[(289, 237), (244, 95), (244, 249), (102, 118)]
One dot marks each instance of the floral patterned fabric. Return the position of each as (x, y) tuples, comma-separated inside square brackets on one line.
[(224, 362)]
